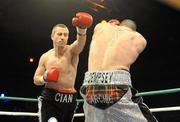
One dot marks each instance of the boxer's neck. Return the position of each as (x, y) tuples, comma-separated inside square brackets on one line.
[(59, 51)]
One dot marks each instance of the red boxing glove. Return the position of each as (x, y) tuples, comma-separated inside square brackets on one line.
[(51, 75), (82, 20)]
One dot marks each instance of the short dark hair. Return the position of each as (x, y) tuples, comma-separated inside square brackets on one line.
[(58, 25), (129, 23)]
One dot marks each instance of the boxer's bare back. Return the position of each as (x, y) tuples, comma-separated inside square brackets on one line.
[(117, 46)]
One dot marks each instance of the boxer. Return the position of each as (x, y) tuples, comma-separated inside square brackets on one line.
[(107, 88), (57, 71)]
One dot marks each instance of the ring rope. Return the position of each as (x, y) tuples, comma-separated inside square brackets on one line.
[(150, 93), (19, 99), (168, 91), (159, 92), (30, 114), (18, 113), (176, 108), (26, 99)]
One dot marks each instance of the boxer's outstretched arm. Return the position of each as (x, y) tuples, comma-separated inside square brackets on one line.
[(81, 21)]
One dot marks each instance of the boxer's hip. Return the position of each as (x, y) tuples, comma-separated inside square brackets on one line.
[(103, 89), (117, 77), (103, 96), (58, 96)]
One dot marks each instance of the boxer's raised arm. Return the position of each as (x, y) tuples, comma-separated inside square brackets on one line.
[(81, 21)]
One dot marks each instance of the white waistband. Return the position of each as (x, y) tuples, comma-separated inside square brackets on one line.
[(117, 77)]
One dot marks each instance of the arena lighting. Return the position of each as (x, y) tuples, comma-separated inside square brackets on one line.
[(2, 95), (173, 3), (31, 60), (98, 4)]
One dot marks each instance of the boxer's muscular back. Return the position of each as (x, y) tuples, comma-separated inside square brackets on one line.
[(114, 47)]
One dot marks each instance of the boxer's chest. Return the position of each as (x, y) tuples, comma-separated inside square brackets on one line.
[(62, 62)]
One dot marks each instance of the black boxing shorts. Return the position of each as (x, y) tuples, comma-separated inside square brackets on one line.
[(58, 97), (56, 105)]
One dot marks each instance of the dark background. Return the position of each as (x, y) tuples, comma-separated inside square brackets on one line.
[(25, 27)]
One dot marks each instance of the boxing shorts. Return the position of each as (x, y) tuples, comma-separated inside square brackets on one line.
[(110, 97), (105, 88), (59, 105), (64, 97)]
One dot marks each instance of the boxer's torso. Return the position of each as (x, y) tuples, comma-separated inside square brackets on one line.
[(114, 47), (67, 65)]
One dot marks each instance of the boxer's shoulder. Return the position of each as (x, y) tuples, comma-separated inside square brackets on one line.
[(101, 25)]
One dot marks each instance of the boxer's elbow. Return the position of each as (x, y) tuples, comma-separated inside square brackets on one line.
[(36, 81)]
